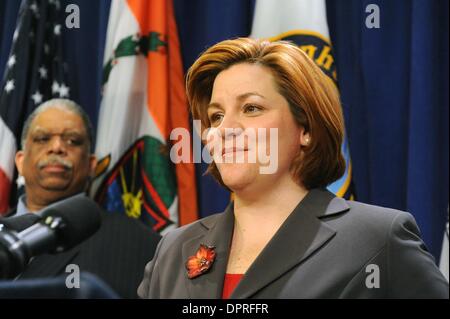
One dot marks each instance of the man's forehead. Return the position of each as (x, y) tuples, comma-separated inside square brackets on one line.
[(51, 130), (57, 120)]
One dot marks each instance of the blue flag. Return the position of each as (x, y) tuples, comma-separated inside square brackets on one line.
[(34, 73)]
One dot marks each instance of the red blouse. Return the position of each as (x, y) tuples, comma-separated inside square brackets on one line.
[(230, 282)]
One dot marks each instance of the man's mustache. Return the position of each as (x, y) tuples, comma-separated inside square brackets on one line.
[(55, 160)]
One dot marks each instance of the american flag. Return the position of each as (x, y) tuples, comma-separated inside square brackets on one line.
[(34, 73)]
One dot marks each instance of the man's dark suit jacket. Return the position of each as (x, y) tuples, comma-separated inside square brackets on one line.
[(327, 248), (116, 253)]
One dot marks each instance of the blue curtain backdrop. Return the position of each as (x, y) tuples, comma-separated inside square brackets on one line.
[(393, 81), (394, 87)]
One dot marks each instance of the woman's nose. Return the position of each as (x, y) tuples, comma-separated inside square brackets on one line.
[(231, 126)]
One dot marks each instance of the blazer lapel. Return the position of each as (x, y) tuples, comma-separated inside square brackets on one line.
[(301, 234), (219, 233)]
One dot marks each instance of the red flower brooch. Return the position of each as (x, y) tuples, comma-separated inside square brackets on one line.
[(201, 262)]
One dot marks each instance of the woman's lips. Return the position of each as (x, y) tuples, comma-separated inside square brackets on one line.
[(231, 151)]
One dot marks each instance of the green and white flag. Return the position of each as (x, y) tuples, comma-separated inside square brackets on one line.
[(143, 100)]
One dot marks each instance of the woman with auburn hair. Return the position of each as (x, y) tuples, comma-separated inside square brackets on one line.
[(284, 235)]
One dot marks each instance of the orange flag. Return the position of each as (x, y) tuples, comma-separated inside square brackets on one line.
[(143, 101)]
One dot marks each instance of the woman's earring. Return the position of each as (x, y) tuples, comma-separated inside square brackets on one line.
[(307, 140)]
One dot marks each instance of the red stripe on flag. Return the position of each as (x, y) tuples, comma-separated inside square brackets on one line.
[(155, 196), (160, 222), (5, 187)]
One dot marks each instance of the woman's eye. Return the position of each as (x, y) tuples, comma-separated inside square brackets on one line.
[(215, 118), (250, 108)]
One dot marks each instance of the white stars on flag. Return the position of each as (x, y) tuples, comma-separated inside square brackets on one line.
[(37, 97), (57, 29), (16, 35), (43, 72), (9, 86), (34, 8), (55, 87), (34, 71), (63, 90), (11, 61)]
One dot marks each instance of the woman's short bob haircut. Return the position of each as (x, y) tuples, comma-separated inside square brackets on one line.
[(313, 100)]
